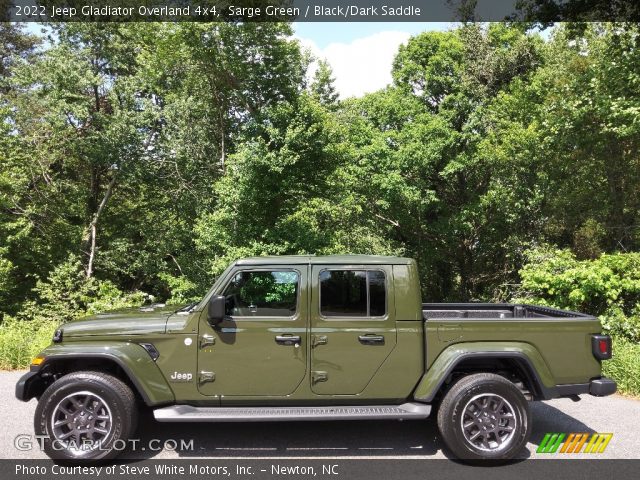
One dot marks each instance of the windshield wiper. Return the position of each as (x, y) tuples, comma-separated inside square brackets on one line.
[(188, 308)]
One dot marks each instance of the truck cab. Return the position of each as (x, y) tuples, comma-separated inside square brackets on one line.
[(307, 329), (315, 338)]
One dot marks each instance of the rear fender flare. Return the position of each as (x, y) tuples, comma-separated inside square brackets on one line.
[(532, 362)]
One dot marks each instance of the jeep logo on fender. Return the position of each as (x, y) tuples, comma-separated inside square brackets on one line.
[(181, 377)]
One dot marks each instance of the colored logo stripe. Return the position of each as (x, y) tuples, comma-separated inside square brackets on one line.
[(580, 443), (574, 443)]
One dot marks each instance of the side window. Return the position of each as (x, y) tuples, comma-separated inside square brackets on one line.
[(262, 294), (352, 293)]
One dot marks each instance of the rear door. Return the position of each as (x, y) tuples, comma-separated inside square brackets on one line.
[(353, 326), (259, 349)]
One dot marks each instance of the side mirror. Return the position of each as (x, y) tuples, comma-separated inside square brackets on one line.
[(216, 309)]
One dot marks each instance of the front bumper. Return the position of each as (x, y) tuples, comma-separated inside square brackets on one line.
[(598, 387), (29, 386)]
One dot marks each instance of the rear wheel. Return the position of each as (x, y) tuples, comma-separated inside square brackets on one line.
[(484, 416), (85, 416)]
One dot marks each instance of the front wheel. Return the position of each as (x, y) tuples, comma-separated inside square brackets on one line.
[(85, 416), (484, 416)]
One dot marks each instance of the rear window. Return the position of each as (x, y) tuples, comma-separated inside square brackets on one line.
[(353, 293)]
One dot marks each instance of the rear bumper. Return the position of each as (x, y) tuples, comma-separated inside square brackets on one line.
[(29, 386), (602, 387), (598, 387)]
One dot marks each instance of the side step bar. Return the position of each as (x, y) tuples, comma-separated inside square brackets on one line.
[(188, 413)]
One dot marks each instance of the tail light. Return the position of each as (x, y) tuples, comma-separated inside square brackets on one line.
[(601, 346)]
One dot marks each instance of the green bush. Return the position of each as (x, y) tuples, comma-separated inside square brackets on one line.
[(62, 296), (607, 286), (65, 295), (604, 286), (619, 325), (21, 340), (5, 278), (182, 289), (624, 367), (103, 296)]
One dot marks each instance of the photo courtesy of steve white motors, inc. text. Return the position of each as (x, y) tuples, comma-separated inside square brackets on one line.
[(167, 469)]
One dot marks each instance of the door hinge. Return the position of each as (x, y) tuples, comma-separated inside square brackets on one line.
[(207, 340), (318, 340), (206, 377), (317, 377)]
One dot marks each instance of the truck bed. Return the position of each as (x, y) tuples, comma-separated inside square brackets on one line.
[(560, 339), (493, 311)]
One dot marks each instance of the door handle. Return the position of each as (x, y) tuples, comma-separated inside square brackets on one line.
[(288, 340), (371, 339)]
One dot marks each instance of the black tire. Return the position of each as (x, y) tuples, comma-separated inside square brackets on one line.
[(91, 403), (475, 425)]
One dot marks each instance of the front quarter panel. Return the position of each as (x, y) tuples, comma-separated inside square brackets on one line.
[(131, 357)]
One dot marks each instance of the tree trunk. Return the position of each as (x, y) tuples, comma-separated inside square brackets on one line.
[(93, 226), (616, 173), (223, 147)]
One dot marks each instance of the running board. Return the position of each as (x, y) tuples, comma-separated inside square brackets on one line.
[(188, 413)]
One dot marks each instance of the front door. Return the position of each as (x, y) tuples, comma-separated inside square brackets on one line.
[(353, 326), (260, 347)]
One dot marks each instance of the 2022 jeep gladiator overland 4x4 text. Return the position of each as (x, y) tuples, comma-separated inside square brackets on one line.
[(314, 338)]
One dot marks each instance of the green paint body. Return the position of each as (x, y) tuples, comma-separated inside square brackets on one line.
[(330, 365)]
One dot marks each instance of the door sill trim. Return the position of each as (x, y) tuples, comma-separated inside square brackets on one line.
[(189, 413)]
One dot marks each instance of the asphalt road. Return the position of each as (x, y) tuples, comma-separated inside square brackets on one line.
[(298, 440)]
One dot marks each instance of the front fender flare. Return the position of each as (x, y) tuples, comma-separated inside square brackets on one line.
[(526, 354), (134, 360)]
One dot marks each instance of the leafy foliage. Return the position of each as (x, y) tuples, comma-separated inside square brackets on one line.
[(608, 286), (624, 366), (558, 278), (20, 341), (67, 294), (138, 159)]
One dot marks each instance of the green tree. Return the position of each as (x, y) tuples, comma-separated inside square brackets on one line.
[(448, 207), (573, 126), (15, 45), (322, 86), (153, 154), (592, 131), (113, 122)]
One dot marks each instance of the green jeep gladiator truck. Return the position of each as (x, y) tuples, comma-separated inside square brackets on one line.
[(314, 338)]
